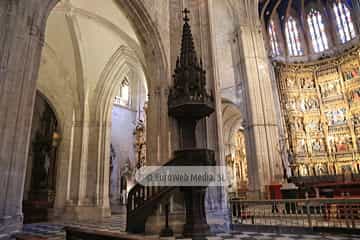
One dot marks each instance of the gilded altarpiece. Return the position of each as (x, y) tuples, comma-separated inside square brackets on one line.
[(237, 166), (321, 109)]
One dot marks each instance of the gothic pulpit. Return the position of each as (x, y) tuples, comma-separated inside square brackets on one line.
[(189, 102)]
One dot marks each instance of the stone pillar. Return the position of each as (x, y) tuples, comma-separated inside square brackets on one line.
[(98, 166), (260, 100), (87, 196), (22, 27), (63, 169), (218, 213)]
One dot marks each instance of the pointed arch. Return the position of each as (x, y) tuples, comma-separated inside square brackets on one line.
[(117, 68), (122, 62)]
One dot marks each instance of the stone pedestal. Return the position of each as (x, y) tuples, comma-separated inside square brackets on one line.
[(196, 224), (22, 27)]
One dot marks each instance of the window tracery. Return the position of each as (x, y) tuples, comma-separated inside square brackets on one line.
[(292, 37), (317, 31), (273, 40), (344, 23)]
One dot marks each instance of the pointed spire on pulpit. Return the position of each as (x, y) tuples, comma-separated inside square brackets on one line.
[(188, 53), (189, 80)]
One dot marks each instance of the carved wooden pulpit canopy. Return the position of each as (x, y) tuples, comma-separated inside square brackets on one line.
[(189, 100)]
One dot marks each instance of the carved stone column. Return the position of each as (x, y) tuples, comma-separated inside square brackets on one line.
[(261, 106), (22, 27)]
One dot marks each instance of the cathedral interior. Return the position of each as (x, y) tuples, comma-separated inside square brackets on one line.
[(267, 92)]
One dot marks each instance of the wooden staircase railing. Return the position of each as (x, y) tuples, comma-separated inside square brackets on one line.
[(143, 200)]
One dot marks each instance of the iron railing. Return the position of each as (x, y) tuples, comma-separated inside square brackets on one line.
[(332, 213)]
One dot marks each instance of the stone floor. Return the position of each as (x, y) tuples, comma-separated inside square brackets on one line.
[(54, 231), (275, 236), (117, 223)]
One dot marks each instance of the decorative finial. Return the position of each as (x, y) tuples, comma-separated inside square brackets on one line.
[(186, 12)]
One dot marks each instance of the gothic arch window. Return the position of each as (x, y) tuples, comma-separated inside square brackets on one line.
[(293, 37), (344, 23), (317, 31), (275, 51), (123, 97)]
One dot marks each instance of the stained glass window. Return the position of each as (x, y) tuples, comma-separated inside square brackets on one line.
[(292, 37), (317, 31), (273, 40), (344, 24)]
